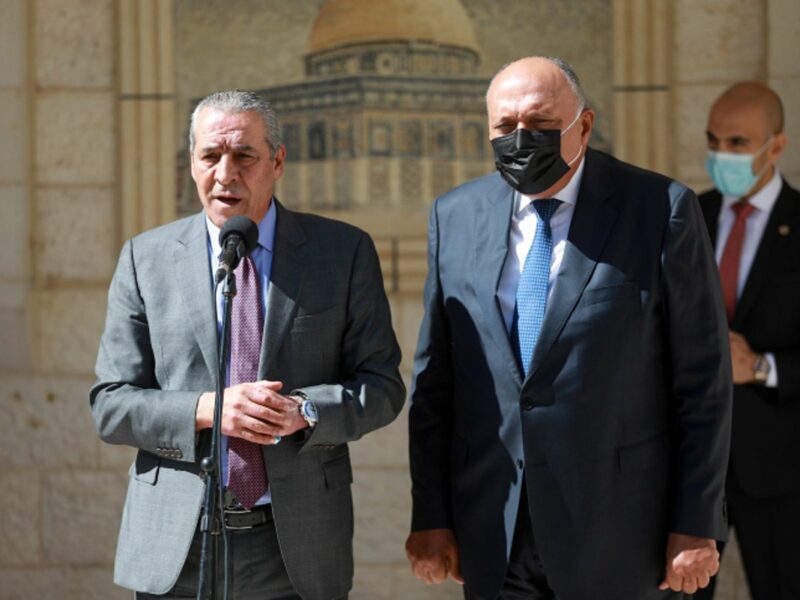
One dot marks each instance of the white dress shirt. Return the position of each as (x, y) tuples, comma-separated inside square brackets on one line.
[(520, 238), (756, 224)]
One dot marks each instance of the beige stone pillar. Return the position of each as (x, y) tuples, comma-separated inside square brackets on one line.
[(783, 22), (147, 114), (73, 210), (641, 94), (715, 43), (15, 187), (60, 491)]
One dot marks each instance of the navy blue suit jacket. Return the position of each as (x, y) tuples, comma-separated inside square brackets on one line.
[(621, 429)]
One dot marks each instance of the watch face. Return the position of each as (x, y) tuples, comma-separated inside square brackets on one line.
[(309, 411), (761, 370)]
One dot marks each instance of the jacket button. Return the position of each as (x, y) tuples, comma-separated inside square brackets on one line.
[(527, 405), (520, 464)]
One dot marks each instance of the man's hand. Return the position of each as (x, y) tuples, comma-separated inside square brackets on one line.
[(691, 562), (742, 357), (433, 554), (255, 412)]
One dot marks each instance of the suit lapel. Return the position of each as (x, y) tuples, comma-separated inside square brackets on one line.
[(286, 280), (711, 207), (772, 247), (592, 221), (491, 248), (193, 273)]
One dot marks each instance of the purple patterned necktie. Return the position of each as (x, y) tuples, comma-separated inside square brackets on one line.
[(247, 477)]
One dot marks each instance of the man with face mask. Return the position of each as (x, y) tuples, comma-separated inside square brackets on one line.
[(753, 217), (570, 415)]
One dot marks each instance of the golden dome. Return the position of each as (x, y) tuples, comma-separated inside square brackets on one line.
[(347, 22)]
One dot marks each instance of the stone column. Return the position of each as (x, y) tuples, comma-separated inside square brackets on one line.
[(783, 22), (715, 43), (15, 187), (20, 496), (642, 93), (60, 492), (147, 114)]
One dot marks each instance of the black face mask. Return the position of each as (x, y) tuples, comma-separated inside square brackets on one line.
[(530, 161)]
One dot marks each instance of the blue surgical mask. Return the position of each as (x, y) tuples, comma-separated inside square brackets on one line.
[(732, 173)]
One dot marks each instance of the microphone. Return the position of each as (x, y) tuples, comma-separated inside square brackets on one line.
[(237, 238)]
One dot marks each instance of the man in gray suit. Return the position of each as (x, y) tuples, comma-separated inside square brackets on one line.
[(325, 374), (570, 414)]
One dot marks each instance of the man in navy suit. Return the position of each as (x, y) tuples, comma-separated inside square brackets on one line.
[(753, 216), (570, 417)]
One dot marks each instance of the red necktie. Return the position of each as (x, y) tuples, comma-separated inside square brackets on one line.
[(247, 477), (731, 256)]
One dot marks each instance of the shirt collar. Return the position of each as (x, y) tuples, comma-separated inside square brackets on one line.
[(266, 231), (568, 195), (764, 199)]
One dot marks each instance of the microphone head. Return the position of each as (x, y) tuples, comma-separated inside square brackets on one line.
[(242, 227)]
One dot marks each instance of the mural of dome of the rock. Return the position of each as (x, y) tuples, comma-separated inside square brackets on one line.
[(387, 111), (391, 112)]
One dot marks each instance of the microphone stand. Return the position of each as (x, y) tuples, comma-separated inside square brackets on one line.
[(211, 522)]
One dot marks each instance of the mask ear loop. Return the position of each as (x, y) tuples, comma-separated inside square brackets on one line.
[(580, 148), (760, 150), (575, 120)]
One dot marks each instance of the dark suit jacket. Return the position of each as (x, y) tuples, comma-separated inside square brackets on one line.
[(765, 445), (327, 332), (621, 429)]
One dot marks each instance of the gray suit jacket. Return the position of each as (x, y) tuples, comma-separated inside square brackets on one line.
[(327, 332), (621, 428)]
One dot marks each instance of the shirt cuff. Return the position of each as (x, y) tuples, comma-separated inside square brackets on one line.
[(772, 378)]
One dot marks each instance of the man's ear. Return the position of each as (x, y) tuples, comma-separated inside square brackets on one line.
[(587, 123), (777, 147), (191, 166), (279, 161)]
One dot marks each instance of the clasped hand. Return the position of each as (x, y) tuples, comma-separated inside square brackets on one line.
[(255, 412)]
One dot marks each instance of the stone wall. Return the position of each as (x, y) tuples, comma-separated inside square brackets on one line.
[(87, 89), (61, 490)]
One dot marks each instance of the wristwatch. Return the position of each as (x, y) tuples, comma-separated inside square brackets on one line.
[(309, 412), (761, 370)]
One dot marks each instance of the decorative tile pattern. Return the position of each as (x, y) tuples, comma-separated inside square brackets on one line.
[(440, 139), (409, 138), (380, 138), (316, 141)]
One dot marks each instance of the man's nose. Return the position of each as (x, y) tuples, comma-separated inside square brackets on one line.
[(226, 172)]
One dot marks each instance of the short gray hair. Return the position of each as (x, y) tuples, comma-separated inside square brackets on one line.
[(572, 78), (566, 68), (239, 101)]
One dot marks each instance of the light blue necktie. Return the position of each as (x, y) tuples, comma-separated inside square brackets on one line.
[(532, 287)]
